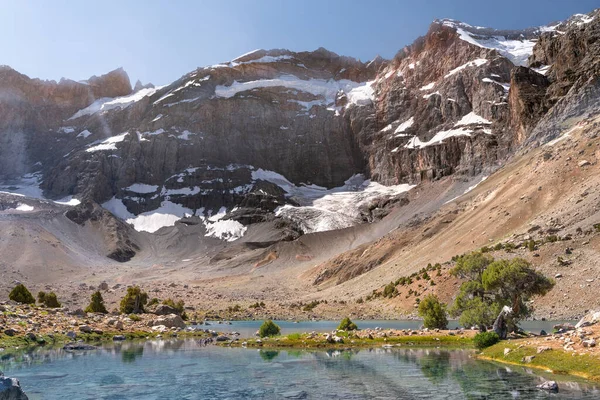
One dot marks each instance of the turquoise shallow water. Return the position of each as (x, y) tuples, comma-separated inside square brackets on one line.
[(177, 369), (248, 328)]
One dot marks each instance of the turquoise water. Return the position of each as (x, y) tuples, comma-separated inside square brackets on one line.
[(177, 369), (248, 328)]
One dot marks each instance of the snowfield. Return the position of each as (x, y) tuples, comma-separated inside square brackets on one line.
[(107, 144), (107, 103), (358, 93)]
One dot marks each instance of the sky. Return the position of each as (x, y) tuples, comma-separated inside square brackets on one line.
[(159, 41)]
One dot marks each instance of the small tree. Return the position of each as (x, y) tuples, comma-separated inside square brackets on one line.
[(269, 328), (433, 312), (491, 285), (20, 294), (134, 301), (96, 304), (347, 325)]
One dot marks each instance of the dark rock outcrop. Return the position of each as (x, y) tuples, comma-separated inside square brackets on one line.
[(10, 389)]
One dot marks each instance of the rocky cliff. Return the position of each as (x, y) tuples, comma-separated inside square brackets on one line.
[(276, 129)]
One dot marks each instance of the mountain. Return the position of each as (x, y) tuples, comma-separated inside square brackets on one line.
[(258, 162)]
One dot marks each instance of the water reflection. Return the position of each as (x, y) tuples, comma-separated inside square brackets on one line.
[(181, 369)]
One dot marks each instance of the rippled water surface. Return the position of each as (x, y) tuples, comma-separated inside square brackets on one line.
[(176, 369)]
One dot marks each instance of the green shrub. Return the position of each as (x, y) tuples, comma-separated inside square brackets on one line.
[(347, 325), (257, 305), (20, 294), (179, 307), (485, 339), (390, 290), (49, 300), (269, 328), (552, 238), (96, 304), (310, 306), (135, 317), (153, 302), (134, 301)]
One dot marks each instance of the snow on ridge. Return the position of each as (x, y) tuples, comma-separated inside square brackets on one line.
[(543, 69), (357, 93), (429, 86), (247, 54), (405, 125), (84, 134), (517, 51), (416, 143), (107, 103), (474, 63), (107, 144), (472, 119), (426, 96), (505, 86)]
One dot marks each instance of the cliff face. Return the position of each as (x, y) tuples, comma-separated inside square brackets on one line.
[(31, 108), (457, 101)]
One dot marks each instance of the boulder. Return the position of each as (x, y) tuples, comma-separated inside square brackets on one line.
[(10, 332), (85, 329), (10, 389), (589, 319), (527, 359), (589, 343), (164, 309), (103, 286), (542, 349), (550, 386), (170, 321), (119, 338)]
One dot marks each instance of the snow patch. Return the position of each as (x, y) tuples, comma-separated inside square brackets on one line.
[(429, 86), (475, 63), (472, 119), (107, 144), (142, 188), (107, 103), (416, 143), (358, 93), (405, 125), (84, 134)]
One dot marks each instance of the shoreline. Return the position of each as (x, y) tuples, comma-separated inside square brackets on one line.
[(555, 362)]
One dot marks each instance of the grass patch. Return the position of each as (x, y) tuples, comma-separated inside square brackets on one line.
[(556, 360), (298, 340)]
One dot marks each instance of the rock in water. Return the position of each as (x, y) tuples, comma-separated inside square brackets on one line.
[(10, 389), (550, 386)]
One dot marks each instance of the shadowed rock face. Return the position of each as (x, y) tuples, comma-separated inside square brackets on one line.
[(30, 109), (454, 102)]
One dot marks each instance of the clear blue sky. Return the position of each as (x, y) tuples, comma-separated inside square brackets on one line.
[(158, 41)]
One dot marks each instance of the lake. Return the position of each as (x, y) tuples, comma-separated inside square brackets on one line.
[(184, 369), (247, 329)]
